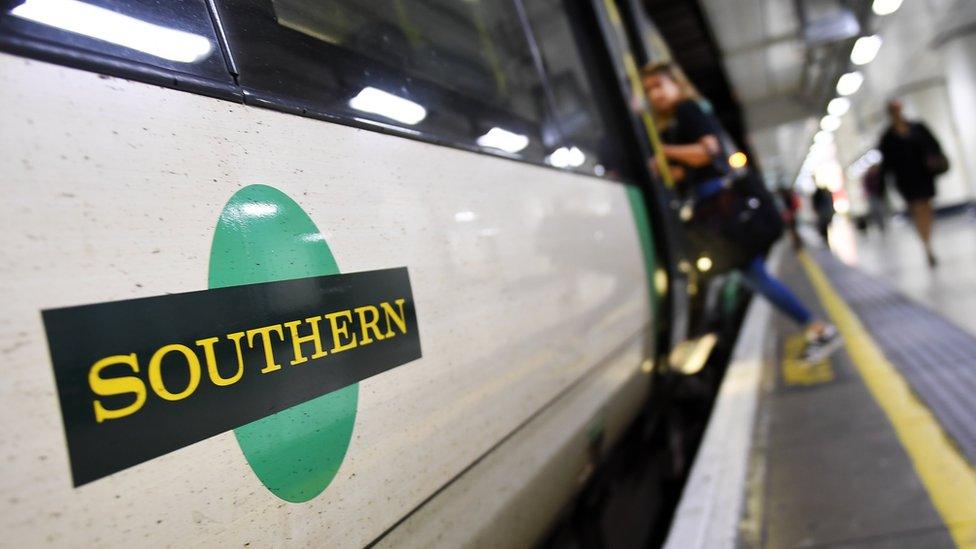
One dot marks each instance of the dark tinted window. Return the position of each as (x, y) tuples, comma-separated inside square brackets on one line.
[(459, 72), (454, 71), (587, 107), (174, 38)]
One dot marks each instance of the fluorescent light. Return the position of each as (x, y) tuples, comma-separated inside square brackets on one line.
[(566, 158), (842, 205), (111, 26), (865, 49), (377, 101), (839, 106), (504, 140), (829, 123), (885, 7), (822, 137), (849, 83), (464, 216)]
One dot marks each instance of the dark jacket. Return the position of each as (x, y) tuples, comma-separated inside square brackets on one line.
[(906, 158)]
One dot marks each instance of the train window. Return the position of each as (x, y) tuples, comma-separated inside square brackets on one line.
[(171, 42), (594, 138), (450, 71)]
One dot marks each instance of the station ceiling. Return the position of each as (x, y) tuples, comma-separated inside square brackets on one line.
[(782, 60)]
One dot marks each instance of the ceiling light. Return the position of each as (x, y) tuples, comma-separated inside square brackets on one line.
[(849, 83), (885, 7), (110, 26), (504, 140), (822, 137), (865, 49), (829, 123), (566, 157), (386, 104), (839, 106)]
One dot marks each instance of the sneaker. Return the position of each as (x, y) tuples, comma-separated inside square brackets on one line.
[(822, 345)]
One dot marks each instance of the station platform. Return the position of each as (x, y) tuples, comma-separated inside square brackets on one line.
[(874, 447)]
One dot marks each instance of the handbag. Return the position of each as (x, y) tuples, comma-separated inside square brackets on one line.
[(731, 218), (757, 223), (937, 163), (733, 224)]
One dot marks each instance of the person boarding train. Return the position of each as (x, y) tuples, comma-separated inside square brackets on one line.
[(692, 146)]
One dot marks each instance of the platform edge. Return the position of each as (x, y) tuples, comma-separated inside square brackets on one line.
[(713, 500)]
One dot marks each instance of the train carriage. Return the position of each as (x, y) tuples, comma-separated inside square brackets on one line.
[(213, 210)]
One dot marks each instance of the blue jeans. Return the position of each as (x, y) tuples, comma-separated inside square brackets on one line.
[(759, 279)]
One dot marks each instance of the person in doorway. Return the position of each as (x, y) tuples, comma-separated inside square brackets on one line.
[(691, 147), (823, 207), (913, 156), (874, 191)]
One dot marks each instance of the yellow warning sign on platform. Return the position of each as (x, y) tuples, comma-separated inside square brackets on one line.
[(798, 372)]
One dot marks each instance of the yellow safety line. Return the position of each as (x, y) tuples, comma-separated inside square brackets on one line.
[(948, 478)]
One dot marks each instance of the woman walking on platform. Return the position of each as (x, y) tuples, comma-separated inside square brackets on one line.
[(692, 147), (913, 155)]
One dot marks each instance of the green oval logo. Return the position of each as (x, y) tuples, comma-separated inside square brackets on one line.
[(263, 236)]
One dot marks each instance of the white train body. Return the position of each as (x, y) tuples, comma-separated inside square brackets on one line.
[(531, 295)]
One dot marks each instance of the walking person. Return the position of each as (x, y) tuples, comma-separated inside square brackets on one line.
[(874, 190), (823, 207), (914, 157), (692, 147)]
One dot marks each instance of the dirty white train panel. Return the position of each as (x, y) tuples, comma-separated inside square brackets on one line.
[(524, 280)]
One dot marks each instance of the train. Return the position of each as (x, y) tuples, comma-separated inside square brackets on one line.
[(322, 273)]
